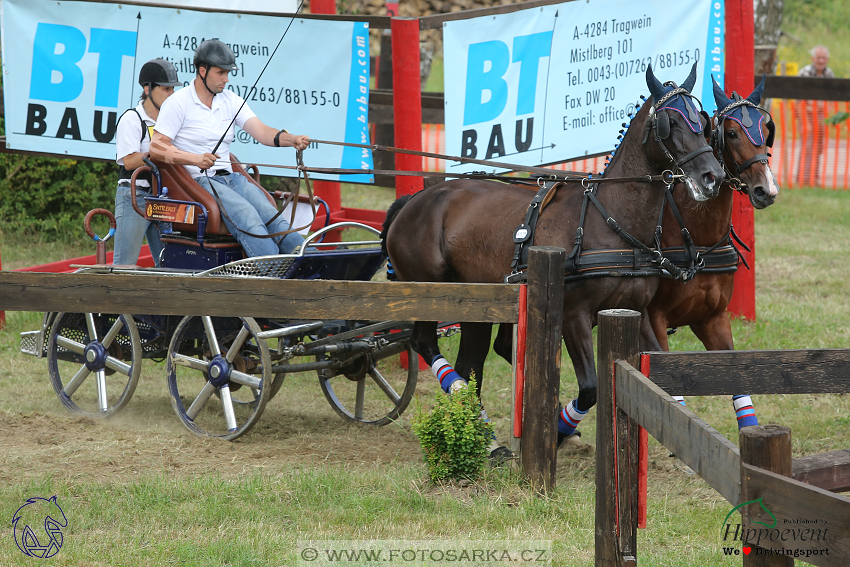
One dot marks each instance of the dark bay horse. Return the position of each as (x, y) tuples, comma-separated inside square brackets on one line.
[(462, 231), (740, 136)]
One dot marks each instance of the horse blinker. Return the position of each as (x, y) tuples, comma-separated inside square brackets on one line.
[(663, 125)]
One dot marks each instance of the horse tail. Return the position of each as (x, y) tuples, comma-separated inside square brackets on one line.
[(392, 212)]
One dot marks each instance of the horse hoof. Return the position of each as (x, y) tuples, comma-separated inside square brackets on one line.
[(501, 455), (574, 439)]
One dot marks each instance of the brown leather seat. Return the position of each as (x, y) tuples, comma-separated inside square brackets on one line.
[(183, 187)]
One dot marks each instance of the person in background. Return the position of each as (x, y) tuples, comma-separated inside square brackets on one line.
[(158, 78), (813, 114), (818, 67)]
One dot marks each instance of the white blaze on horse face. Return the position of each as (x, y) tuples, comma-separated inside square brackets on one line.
[(772, 185)]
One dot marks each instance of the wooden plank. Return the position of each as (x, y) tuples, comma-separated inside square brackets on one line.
[(728, 373), (830, 471), (375, 22), (805, 88), (696, 443), (545, 308), (257, 297), (618, 338), (801, 510), (436, 21)]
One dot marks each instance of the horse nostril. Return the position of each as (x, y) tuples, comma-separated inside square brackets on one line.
[(759, 192), (708, 181)]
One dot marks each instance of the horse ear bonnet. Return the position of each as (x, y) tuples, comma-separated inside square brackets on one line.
[(749, 118), (680, 104)]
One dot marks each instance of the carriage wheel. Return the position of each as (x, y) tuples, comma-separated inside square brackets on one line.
[(221, 356), (94, 361), (364, 393)]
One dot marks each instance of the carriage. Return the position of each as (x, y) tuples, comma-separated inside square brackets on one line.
[(222, 371)]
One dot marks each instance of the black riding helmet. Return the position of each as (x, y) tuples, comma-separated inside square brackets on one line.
[(159, 72), (214, 53)]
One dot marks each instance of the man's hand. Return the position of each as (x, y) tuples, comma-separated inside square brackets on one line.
[(206, 161), (300, 142)]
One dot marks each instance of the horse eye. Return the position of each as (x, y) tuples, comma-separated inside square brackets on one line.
[(731, 134)]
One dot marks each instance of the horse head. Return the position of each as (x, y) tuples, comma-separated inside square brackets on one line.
[(741, 134), (677, 128)]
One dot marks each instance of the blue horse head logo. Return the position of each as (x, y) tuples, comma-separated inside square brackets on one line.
[(38, 527)]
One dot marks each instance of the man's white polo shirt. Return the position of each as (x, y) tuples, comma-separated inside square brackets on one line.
[(196, 128)]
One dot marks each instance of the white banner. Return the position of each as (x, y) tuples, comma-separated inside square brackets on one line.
[(71, 68), (556, 82)]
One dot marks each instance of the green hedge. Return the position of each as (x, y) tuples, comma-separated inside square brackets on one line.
[(49, 197)]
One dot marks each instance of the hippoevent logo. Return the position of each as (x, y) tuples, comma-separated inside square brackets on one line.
[(790, 537), (37, 527)]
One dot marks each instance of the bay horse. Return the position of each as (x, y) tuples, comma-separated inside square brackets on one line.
[(462, 231), (741, 132)]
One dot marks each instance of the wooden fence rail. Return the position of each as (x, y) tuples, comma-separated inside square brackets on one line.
[(156, 293), (740, 477)]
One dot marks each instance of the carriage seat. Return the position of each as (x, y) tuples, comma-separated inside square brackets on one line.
[(183, 187)]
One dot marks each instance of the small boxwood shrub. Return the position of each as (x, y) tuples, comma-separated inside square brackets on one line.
[(454, 439)]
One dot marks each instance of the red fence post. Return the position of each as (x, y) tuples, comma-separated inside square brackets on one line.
[(407, 102), (327, 190), (740, 65)]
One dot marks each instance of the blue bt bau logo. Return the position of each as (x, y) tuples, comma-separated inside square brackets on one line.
[(38, 527)]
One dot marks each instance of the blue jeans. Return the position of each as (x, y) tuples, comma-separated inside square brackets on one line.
[(250, 209), (131, 228)]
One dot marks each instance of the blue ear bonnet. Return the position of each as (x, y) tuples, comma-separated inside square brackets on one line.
[(679, 102), (751, 122), (743, 111), (684, 107)]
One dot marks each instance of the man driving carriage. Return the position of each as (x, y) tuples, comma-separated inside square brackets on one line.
[(190, 125)]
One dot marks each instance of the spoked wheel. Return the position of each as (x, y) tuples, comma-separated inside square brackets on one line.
[(365, 392), (222, 356), (94, 361)]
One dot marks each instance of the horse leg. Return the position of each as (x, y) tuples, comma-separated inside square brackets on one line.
[(474, 346), (424, 341), (503, 345), (578, 338), (716, 334)]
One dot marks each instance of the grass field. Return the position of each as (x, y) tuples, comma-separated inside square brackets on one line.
[(139, 490)]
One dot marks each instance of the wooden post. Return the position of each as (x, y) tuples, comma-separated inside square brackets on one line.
[(769, 448), (2, 313), (407, 102), (545, 306), (740, 62), (384, 132), (618, 339)]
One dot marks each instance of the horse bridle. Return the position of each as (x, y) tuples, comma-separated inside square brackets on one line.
[(718, 141), (659, 122)]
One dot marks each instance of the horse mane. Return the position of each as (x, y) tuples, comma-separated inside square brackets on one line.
[(391, 214), (636, 119)]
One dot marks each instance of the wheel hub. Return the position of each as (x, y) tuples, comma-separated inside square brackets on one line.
[(219, 371), (95, 356), (358, 368)]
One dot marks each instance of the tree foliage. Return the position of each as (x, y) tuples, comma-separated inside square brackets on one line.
[(50, 197)]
